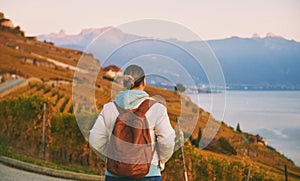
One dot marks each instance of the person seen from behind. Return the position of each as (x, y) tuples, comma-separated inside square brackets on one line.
[(160, 129)]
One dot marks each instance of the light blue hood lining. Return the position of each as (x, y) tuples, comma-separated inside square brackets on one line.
[(129, 99)]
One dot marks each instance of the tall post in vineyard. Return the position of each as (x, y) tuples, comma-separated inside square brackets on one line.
[(248, 176), (183, 159), (43, 133), (286, 172)]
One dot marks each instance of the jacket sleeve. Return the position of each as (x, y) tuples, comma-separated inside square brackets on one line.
[(165, 135), (98, 137)]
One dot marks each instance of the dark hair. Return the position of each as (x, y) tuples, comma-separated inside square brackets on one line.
[(133, 76)]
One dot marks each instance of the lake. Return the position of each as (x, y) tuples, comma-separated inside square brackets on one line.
[(275, 115)]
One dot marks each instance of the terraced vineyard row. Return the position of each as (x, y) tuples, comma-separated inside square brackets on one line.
[(60, 97), (59, 100)]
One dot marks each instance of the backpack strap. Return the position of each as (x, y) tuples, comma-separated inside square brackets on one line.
[(141, 110), (120, 110), (144, 107)]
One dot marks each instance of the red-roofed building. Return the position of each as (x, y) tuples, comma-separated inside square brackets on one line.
[(6, 22), (111, 71)]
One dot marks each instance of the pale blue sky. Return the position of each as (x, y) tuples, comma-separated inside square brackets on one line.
[(210, 19)]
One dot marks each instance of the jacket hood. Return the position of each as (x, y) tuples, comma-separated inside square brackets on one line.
[(129, 99)]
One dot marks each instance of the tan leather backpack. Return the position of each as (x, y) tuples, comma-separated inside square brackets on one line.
[(130, 148)]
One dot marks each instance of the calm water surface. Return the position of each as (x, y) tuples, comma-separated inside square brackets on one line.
[(272, 114)]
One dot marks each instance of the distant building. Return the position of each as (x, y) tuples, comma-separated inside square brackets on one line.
[(34, 38), (1, 15), (8, 76), (6, 23), (264, 142), (261, 141), (111, 71)]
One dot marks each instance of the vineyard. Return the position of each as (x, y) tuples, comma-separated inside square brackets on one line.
[(65, 144)]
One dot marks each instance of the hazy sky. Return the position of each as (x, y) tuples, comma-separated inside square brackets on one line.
[(210, 19)]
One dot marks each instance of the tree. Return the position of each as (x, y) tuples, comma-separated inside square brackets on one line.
[(238, 129), (179, 88), (196, 142)]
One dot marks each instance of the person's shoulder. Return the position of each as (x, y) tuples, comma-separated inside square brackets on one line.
[(109, 110), (108, 106), (158, 105)]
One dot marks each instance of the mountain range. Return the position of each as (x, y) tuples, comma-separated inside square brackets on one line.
[(270, 62)]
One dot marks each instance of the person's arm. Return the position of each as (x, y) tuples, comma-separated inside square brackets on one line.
[(165, 135), (98, 137)]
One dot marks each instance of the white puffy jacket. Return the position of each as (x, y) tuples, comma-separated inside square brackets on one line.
[(160, 130)]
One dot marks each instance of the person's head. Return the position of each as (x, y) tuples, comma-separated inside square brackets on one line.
[(134, 77)]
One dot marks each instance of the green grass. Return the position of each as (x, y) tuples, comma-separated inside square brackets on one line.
[(4, 150), (9, 152)]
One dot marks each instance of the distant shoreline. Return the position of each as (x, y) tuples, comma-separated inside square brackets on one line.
[(198, 90), (248, 90), (243, 90)]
